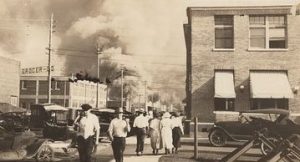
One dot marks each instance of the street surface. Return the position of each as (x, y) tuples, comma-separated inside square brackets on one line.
[(207, 153)]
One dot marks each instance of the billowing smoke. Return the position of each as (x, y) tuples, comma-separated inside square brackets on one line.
[(148, 33)]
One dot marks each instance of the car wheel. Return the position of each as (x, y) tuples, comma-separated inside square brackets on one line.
[(265, 150), (45, 153), (218, 138)]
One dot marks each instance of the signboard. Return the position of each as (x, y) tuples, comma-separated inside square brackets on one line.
[(34, 70)]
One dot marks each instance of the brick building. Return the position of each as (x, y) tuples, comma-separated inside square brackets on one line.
[(9, 81), (241, 56), (34, 90)]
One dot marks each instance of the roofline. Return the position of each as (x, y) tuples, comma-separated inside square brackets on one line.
[(237, 7)]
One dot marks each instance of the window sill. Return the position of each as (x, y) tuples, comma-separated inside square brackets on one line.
[(223, 49), (267, 50)]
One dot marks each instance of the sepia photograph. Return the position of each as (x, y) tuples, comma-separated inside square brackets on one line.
[(149, 81)]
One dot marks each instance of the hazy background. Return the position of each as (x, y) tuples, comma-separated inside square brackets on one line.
[(147, 35)]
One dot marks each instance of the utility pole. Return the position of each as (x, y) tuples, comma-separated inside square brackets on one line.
[(122, 71), (146, 108), (98, 76), (139, 106), (49, 58)]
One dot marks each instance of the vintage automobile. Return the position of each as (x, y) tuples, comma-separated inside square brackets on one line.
[(25, 145), (14, 121), (276, 121), (51, 119), (106, 115)]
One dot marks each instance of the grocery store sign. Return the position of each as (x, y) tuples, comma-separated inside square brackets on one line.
[(34, 70)]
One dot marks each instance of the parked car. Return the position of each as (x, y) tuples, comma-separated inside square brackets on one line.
[(51, 119), (14, 121), (106, 115), (276, 121), (24, 144)]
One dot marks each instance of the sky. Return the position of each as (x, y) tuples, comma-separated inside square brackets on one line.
[(144, 35)]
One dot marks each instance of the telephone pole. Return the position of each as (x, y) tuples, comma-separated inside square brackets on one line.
[(49, 58), (146, 108), (98, 76), (122, 71)]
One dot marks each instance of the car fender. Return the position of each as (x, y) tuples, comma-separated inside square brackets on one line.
[(223, 130)]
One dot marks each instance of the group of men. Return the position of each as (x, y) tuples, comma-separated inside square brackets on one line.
[(88, 130)]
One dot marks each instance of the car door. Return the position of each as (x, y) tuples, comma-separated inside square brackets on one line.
[(6, 140)]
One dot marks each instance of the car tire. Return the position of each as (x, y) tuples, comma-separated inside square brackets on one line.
[(45, 153), (265, 150), (218, 138)]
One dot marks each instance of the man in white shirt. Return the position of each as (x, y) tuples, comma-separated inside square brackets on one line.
[(117, 130), (141, 125), (88, 128)]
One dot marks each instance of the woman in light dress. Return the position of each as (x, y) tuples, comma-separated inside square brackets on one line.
[(166, 132), (155, 133)]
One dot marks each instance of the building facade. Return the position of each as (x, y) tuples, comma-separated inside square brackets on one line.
[(34, 90), (9, 81), (241, 58)]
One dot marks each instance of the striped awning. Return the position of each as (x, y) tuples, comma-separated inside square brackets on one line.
[(224, 85), (271, 84)]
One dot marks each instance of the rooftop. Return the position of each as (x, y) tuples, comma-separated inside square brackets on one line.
[(240, 3)]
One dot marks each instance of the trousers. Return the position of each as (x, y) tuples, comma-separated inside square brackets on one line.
[(118, 146), (140, 138), (85, 148)]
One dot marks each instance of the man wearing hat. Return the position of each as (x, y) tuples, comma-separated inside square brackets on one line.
[(141, 125), (117, 130), (88, 128)]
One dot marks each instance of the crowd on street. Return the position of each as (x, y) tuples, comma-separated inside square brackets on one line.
[(163, 128)]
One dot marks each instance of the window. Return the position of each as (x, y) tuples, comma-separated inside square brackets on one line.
[(270, 103), (55, 85), (224, 104), (267, 32), (224, 32), (14, 100), (24, 84)]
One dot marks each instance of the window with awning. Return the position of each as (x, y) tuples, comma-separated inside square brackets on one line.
[(269, 89), (270, 84), (224, 91), (224, 84)]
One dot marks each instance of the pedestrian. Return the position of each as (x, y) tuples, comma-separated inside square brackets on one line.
[(141, 125), (166, 132), (88, 131), (177, 131), (117, 130), (154, 132)]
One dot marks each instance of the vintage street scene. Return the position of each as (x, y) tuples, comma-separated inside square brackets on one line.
[(150, 81)]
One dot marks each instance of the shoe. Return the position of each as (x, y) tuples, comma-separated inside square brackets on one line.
[(153, 152), (156, 152), (138, 154)]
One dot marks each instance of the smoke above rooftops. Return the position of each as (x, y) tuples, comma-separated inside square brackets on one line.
[(144, 35)]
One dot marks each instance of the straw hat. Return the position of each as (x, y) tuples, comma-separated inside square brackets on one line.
[(166, 115), (141, 110)]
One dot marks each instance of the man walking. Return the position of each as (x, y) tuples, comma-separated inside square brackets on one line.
[(88, 129), (118, 129), (141, 125)]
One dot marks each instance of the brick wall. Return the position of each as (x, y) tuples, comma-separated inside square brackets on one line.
[(9, 79), (205, 60)]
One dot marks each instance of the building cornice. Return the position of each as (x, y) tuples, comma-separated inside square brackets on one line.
[(240, 7), (239, 10)]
